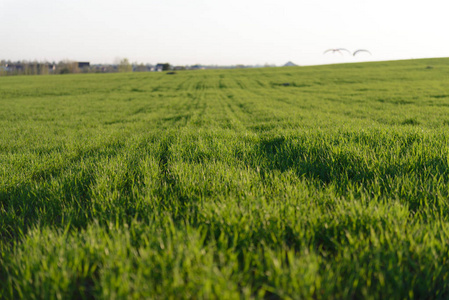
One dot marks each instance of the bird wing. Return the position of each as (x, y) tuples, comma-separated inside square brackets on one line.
[(328, 50), (361, 50), (343, 49)]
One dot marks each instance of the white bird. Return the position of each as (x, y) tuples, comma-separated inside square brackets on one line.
[(339, 50), (360, 50)]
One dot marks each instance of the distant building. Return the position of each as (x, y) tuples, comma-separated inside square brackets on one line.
[(290, 64), (162, 67), (196, 67), (14, 67), (83, 64), (159, 68)]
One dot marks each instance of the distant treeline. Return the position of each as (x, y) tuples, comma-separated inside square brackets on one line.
[(24, 67), (8, 67)]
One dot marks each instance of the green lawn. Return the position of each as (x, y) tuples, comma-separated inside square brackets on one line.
[(227, 184)]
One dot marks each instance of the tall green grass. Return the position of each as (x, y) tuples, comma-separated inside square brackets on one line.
[(227, 184)]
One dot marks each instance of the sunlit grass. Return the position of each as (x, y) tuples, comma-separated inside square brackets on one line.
[(227, 184)]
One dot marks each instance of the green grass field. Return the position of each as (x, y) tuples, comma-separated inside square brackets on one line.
[(227, 184)]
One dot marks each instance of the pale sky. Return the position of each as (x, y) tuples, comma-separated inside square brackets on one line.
[(186, 32)]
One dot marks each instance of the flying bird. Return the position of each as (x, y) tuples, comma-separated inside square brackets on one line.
[(339, 50), (360, 50)]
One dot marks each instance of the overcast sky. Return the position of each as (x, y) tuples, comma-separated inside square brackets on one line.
[(222, 32)]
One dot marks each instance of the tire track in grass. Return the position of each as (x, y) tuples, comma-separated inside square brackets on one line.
[(177, 114), (197, 108), (218, 113), (171, 197), (183, 85), (245, 103), (240, 83), (31, 201), (249, 108), (240, 102), (75, 192), (190, 105), (177, 111), (268, 114), (232, 117), (207, 105)]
